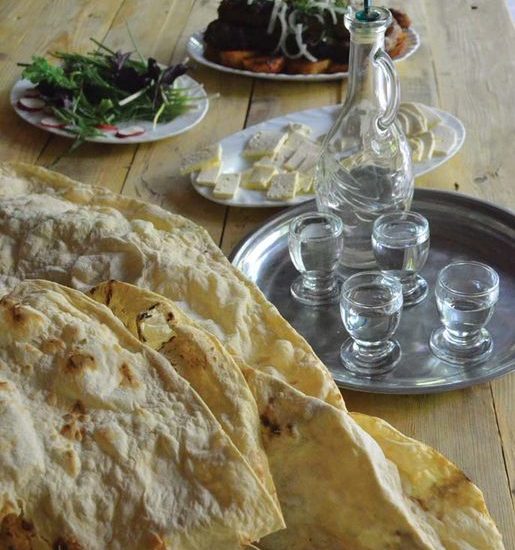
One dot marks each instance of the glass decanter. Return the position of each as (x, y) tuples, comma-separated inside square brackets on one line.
[(365, 167)]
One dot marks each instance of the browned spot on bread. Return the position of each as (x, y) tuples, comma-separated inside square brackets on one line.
[(79, 408), (128, 377), (52, 346), (66, 544), (273, 427), (15, 310), (156, 542), (441, 492), (16, 533), (3, 385), (72, 431), (78, 362)]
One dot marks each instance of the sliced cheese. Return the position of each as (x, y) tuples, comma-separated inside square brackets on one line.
[(417, 121), (433, 118), (416, 149), (427, 139), (445, 139), (303, 129), (283, 186), (202, 159), (226, 186), (306, 182), (209, 176), (266, 161), (264, 143), (260, 177), (304, 158), (293, 143), (404, 121)]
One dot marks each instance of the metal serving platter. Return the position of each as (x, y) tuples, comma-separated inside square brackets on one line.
[(462, 228)]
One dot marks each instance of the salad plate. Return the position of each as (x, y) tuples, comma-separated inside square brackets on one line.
[(320, 121), (178, 125), (462, 228), (196, 50)]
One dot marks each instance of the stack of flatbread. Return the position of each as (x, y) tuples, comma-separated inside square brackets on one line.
[(150, 397)]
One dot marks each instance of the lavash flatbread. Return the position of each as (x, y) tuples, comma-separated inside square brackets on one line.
[(200, 359), (52, 227), (335, 486), (104, 445), (55, 228)]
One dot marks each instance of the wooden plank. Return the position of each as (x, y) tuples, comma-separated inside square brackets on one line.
[(36, 27), (154, 173), (473, 44), (503, 391)]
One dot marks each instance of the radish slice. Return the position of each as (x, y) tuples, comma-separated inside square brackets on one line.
[(30, 104), (107, 127), (52, 122), (33, 92), (130, 132)]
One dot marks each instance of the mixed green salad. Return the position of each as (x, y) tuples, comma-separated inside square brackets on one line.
[(90, 94)]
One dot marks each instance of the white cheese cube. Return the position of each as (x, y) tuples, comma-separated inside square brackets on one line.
[(304, 158), (209, 176), (260, 177), (283, 186), (264, 143), (226, 186), (202, 159)]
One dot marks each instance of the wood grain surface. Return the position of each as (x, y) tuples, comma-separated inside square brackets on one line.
[(466, 65)]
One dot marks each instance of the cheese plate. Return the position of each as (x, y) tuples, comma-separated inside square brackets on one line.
[(320, 121)]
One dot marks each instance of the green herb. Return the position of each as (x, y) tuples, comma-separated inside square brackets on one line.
[(107, 87)]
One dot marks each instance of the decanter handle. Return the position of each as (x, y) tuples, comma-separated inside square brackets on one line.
[(393, 91)]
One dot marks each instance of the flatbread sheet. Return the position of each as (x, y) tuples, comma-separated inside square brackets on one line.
[(105, 445), (336, 487), (52, 227)]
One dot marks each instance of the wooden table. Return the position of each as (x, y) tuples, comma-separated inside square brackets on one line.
[(465, 65)]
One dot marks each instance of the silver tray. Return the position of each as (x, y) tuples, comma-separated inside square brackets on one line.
[(462, 228)]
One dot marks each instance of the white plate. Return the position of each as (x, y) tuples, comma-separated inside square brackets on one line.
[(320, 120), (196, 45), (176, 126)]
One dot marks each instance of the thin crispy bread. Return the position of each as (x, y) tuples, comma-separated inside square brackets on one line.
[(104, 445), (52, 227), (336, 487), (200, 359)]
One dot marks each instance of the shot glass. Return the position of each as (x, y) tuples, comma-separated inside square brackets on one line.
[(466, 294), (400, 242), (370, 305), (315, 244)]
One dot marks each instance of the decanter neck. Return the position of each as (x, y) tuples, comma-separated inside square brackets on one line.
[(367, 80)]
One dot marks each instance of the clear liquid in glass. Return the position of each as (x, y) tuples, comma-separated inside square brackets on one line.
[(315, 251), (373, 323), (464, 316)]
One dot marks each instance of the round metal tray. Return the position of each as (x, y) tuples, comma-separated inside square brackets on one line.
[(462, 228)]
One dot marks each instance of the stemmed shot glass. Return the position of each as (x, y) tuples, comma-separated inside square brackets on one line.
[(315, 245), (400, 241), (466, 294), (370, 305)]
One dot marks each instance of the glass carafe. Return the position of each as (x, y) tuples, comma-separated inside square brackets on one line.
[(365, 166)]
